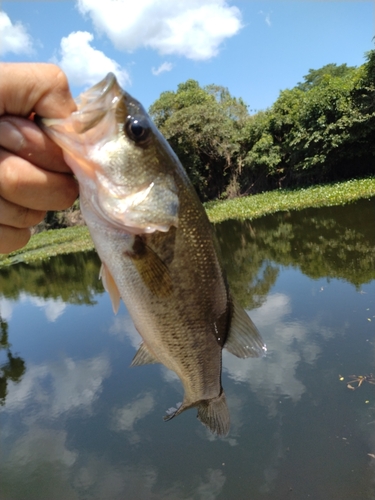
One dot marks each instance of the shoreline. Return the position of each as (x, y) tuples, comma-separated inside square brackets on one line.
[(77, 238), (281, 200)]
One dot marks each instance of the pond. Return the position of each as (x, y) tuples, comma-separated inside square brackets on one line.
[(78, 423)]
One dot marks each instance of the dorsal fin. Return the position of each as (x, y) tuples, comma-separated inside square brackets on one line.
[(243, 340), (110, 286)]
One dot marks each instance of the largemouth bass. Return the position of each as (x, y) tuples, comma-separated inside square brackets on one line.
[(156, 245)]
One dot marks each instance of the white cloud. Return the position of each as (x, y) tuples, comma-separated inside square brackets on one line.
[(6, 308), (211, 488), (289, 343), (123, 328), (191, 28), (165, 66), (14, 37), (43, 445), (53, 308), (85, 65), (98, 478), (72, 385), (267, 17), (169, 375), (126, 417)]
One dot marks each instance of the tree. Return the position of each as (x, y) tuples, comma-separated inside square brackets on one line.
[(203, 127), (315, 76), (319, 132)]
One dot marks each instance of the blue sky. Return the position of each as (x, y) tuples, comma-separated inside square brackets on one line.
[(255, 48)]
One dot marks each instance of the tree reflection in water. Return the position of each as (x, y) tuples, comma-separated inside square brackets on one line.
[(14, 368), (323, 243), (72, 278)]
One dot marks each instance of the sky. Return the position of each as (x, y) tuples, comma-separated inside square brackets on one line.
[(255, 48)]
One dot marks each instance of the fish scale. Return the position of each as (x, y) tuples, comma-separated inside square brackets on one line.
[(156, 245)]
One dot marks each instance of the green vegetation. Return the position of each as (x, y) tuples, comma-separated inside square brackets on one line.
[(77, 239), (296, 154), (204, 128), (50, 243), (316, 76), (252, 207), (320, 131)]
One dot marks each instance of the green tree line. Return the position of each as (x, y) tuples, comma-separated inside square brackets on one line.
[(320, 131)]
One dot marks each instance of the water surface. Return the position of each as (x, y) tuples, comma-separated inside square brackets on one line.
[(78, 423)]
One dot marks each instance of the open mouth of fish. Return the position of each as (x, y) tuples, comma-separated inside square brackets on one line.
[(94, 106), (97, 147)]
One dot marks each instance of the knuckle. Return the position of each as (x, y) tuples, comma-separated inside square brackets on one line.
[(68, 193), (12, 239), (10, 179), (60, 79), (27, 217)]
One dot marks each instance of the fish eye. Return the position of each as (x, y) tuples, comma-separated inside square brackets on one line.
[(138, 129)]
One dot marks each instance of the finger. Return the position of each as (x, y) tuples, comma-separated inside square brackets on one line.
[(19, 217), (26, 185), (12, 239), (39, 87), (21, 136)]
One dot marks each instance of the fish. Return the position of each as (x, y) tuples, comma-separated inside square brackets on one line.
[(156, 245)]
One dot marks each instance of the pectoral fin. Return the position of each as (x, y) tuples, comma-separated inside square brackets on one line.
[(243, 340), (110, 286), (143, 356), (153, 271)]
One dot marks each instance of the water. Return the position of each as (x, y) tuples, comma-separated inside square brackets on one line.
[(78, 423)]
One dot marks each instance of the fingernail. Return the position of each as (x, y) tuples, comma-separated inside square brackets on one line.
[(10, 137)]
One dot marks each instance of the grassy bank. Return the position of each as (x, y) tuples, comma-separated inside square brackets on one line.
[(50, 243), (252, 207), (76, 239)]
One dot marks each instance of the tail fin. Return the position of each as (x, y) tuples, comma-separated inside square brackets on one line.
[(214, 414)]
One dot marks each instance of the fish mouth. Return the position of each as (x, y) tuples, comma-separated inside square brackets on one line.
[(93, 121), (95, 103)]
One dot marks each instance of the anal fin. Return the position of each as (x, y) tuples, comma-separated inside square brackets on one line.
[(143, 357), (243, 340)]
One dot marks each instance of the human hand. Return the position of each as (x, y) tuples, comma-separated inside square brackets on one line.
[(34, 177)]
